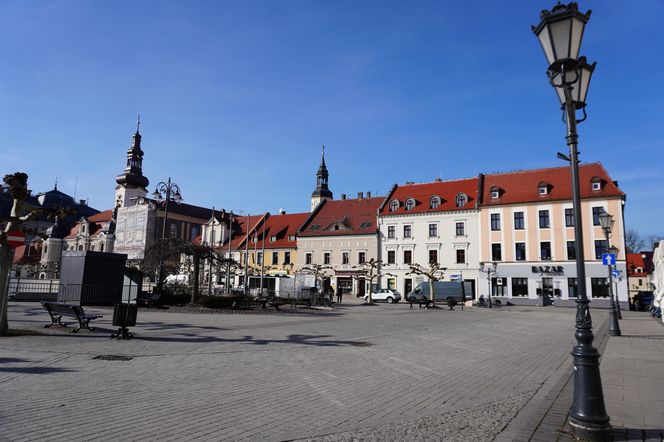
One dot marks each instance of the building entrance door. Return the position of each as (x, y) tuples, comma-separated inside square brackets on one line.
[(547, 291), (361, 287), (407, 287)]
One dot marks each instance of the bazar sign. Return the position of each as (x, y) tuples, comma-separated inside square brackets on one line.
[(548, 270)]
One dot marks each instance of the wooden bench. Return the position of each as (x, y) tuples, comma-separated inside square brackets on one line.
[(148, 299), (59, 309)]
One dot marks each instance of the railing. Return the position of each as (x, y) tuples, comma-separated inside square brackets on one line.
[(34, 289)]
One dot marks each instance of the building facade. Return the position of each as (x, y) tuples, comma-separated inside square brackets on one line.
[(527, 229), (421, 224)]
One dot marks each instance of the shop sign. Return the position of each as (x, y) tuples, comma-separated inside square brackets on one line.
[(548, 270)]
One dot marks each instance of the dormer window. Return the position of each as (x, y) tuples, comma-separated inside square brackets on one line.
[(291, 237), (543, 189), (273, 238), (434, 202), (495, 192), (410, 204), (596, 183), (461, 200), (394, 205)]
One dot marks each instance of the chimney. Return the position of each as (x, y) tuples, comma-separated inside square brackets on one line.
[(360, 195), (282, 212), (438, 180), (343, 196), (83, 202), (368, 194)]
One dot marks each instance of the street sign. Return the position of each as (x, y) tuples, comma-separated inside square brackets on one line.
[(15, 238), (455, 277), (608, 259), (616, 273), (499, 281)]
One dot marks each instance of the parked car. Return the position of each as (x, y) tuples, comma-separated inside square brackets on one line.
[(384, 295)]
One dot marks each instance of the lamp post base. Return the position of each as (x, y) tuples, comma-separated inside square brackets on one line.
[(583, 431)]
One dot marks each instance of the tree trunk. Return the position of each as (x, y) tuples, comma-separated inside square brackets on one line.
[(432, 297), (197, 270)]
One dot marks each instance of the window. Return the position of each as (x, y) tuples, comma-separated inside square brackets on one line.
[(308, 258), (259, 258), (275, 258), (394, 205), (410, 204), (569, 217), (391, 256), (461, 200), (495, 193), (326, 258), (496, 254), (518, 221), (599, 287), (80, 247), (391, 232), (173, 231), (519, 287), (520, 251), (433, 256), (543, 189), (345, 257), (433, 230), (406, 231), (495, 221), (273, 238), (365, 225), (291, 237), (545, 250), (407, 256), (572, 289), (597, 185), (434, 202), (544, 219), (461, 256), (286, 257), (101, 247), (460, 229), (600, 247), (498, 290), (571, 250), (597, 211), (361, 257)]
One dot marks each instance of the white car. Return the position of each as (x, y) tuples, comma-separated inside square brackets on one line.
[(385, 295)]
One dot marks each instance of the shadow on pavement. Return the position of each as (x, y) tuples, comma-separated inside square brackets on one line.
[(640, 434), (315, 340), (33, 370), (10, 360)]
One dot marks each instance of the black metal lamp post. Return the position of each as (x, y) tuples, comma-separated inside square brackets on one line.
[(606, 221), (490, 270), (614, 250), (560, 32), (165, 193)]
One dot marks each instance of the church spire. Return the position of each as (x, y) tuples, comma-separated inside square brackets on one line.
[(132, 177), (322, 192)]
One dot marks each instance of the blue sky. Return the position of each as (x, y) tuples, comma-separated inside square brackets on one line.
[(237, 97)]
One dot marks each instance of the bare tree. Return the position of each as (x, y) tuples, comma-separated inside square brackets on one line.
[(319, 271), (633, 241), (434, 273), (369, 270), (18, 186)]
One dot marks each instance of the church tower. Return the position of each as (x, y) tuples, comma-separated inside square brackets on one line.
[(322, 192), (131, 183)]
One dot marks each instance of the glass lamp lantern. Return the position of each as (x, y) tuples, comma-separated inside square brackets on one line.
[(606, 221)]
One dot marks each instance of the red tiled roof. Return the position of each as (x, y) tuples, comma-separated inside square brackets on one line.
[(94, 229), (104, 216), (343, 217), (422, 193), (523, 186), (281, 226), (642, 260), (27, 255), (240, 229)]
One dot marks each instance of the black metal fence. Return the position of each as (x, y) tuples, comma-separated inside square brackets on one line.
[(83, 294), (34, 289)]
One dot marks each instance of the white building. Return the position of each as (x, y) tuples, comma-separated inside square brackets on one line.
[(426, 223)]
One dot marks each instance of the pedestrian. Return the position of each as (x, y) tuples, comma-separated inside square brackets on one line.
[(340, 294)]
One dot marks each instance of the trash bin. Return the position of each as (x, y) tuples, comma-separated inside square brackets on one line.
[(124, 315)]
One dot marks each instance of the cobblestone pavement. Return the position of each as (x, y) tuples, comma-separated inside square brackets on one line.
[(355, 373)]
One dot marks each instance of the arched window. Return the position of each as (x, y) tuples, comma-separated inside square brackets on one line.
[(394, 205), (80, 247), (434, 202), (410, 204), (461, 200), (101, 247), (173, 231)]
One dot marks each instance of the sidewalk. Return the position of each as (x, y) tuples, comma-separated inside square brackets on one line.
[(632, 369)]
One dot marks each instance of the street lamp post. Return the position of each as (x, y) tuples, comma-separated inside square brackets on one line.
[(490, 270), (560, 32), (165, 193), (606, 221)]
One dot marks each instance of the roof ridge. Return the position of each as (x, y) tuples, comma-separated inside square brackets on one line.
[(438, 181), (518, 171)]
